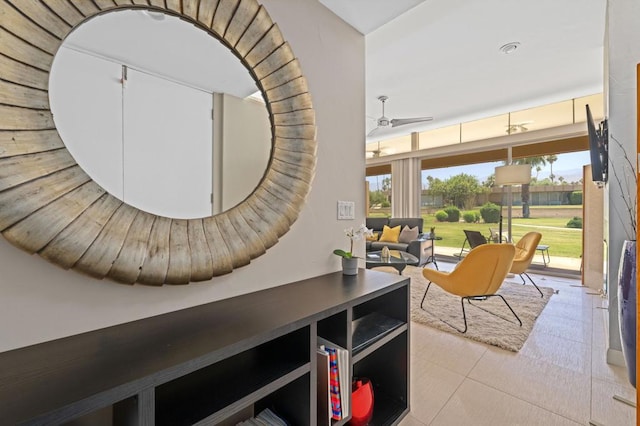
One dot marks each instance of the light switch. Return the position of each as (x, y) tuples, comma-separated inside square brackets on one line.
[(346, 210)]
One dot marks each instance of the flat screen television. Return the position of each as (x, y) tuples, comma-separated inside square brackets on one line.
[(598, 148)]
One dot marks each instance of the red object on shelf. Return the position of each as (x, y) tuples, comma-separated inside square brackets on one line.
[(361, 402)]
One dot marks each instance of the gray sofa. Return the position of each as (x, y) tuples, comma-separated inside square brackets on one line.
[(420, 247)]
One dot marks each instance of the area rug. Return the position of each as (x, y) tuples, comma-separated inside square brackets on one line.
[(488, 321)]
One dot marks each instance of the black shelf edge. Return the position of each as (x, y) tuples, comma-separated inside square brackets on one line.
[(356, 357)]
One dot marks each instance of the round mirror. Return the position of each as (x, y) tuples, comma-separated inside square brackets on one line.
[(181, 133), (50, 206)]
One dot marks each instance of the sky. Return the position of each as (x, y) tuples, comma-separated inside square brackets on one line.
[(569, 166)]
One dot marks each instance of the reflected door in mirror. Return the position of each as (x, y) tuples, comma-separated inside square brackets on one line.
[(148, 141)]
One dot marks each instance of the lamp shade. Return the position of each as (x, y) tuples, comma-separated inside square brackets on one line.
[(513, 174)]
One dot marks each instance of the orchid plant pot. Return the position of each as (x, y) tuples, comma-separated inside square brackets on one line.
[(350, 266)]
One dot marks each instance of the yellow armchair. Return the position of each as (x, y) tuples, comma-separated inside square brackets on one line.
[(525, 250), (478, 276)]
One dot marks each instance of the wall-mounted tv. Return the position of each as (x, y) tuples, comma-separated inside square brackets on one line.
[(598, 148)]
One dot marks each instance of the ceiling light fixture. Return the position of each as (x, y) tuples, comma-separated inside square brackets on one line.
[(509, 47)]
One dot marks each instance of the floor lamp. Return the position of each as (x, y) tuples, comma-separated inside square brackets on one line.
[(512, 174)]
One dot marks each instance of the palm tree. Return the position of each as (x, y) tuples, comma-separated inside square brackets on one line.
[(536, 162), (551, 159)]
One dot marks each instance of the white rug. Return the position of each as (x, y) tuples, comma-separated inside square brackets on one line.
[(488, 321)]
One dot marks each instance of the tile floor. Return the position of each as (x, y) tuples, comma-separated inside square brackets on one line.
[(559, 377)]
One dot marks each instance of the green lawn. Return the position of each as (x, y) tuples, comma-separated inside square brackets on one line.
[(564, 241)]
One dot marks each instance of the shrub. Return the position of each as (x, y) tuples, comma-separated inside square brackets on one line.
[(441, 216), (576, 222), (575, 198), (453, 214), (470, 216), (385, 204), (490, 213)]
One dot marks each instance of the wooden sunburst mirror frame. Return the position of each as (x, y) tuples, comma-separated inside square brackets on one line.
[(50, 206)]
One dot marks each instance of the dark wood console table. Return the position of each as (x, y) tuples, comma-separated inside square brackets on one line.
[(217, 363)]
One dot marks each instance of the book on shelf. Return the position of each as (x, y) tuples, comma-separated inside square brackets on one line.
[(371, 327), (334, 384), (345, 381), (265, 418), (339, 380)]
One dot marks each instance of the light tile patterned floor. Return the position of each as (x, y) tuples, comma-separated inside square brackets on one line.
[(559, 377)]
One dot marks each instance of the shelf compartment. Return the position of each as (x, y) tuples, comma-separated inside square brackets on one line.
[(387, 366), (292, 402), (388, 409), (393, 304), (372, 327), (277, 386), (123, 412), (375, 345), (334, 328), (225, 387)]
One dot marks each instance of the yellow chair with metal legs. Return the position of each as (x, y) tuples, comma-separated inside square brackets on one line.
[(478, 276), (525, 250)]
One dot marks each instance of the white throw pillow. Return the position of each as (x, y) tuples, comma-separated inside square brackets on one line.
[(408, 234)]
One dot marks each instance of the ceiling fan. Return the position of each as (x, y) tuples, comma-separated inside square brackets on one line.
[(384, 121)]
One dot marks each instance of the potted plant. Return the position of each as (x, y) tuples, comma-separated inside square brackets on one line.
[(349, 261)]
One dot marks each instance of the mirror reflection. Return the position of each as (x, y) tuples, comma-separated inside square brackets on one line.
[(160, 114)]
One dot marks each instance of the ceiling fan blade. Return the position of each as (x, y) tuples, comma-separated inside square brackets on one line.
[(402, 121)]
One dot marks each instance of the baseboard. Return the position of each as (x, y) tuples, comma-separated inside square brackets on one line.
[(615, 357)]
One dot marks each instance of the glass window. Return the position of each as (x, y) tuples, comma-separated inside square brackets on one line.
[(440, 137), (486, 128), (379, 195), (596, 105), (544, 117), (389, 147)]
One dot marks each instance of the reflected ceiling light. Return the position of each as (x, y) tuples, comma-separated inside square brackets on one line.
[(156, 16), (509, 47), (378, 151)]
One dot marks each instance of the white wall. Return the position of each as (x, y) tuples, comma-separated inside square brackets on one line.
[(41, 302), (623, 55)]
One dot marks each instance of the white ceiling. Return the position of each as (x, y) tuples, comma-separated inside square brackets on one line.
[(441, 58), (435, 58)]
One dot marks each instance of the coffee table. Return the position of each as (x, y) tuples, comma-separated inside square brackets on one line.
[(397, 259)]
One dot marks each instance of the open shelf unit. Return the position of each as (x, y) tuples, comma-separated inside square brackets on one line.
[(218, 363), (241, 380)]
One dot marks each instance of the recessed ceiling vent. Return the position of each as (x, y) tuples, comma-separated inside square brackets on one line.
[(510, 47)]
